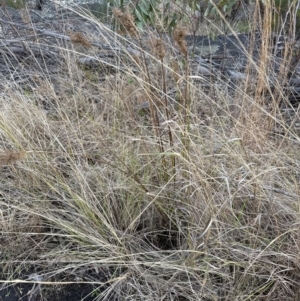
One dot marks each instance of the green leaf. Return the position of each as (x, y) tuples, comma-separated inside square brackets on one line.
[(207, 12), (154, 3), (144, 10), (166, 20), (140, 25), (172, 24), (138, 15), (152, 18)]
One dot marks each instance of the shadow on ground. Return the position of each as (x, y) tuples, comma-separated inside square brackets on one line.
[(68, 292)]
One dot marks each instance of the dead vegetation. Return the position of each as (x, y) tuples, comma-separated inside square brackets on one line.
[(109, 179)]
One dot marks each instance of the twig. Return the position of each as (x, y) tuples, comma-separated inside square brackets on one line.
[(277, 190)]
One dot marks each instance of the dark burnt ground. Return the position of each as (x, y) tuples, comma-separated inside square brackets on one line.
[(33, 48), (68, 286), (230, 54), (60, 292)]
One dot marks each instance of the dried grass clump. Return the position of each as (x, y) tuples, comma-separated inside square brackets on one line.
[(170, 201)]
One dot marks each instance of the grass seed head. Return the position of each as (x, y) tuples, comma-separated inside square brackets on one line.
[(127, 21), (179, 35), (9, 157), (159, 48), (79, 38)]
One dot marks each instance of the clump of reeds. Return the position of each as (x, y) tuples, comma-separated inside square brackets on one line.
[(127, 21)]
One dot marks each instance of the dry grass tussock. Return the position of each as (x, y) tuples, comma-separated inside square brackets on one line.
[(193, 201)]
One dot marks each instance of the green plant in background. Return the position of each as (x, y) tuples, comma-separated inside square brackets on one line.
[(211, 9), (13, 3), (100, 10), (285, 13), (145, 12), (167, 13), (151, 12)]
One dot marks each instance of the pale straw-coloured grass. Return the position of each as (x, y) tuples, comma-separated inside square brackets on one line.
[(203, 207)]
